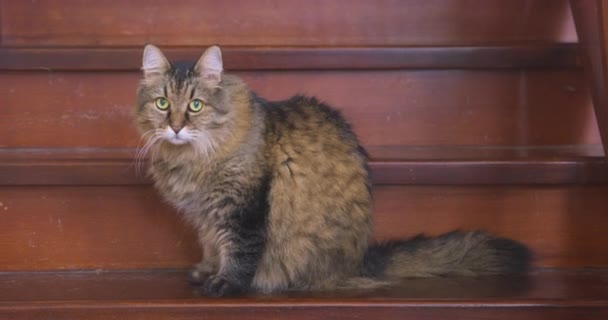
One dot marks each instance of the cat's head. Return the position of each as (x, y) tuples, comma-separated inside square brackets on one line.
[(187, 105)]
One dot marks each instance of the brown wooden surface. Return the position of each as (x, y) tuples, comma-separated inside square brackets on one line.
[(168, 284), (242, 58), (47, 228), (389, 311), (499, 172), (164, 294), (88, 227), (592, 27), (438, 165), (502, 123), (283, 23), (431, 107)]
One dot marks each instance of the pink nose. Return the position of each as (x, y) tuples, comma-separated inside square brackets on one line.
[(176, 129)]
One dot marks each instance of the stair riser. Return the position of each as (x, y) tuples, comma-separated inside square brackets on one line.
[(46, 228), (389, 23), (407, 107)]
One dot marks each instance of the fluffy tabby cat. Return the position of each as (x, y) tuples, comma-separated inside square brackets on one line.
[(279, 192)]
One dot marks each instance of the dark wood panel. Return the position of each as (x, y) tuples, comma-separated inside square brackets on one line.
[(90, 228), (440, 165), (46, 228), (121, 59), (374, 310), (168, 285), (500, 172), (284, 23), (556, 222), (165, 295), (592, 27), (432, 107)]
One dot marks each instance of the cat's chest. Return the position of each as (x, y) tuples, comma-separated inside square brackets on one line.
[(183, 185)]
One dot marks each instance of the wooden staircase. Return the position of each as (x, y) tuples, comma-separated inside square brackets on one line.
[(485, 114)]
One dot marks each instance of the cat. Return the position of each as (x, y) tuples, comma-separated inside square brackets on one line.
[(280, 192)]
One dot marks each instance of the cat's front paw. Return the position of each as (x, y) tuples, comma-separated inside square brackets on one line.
[(218, 286), (201, 272), (198, 277)]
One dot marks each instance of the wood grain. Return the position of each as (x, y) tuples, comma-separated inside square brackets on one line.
[(169, 285), (243, 58), (50, 228), (399, 165), (400, 107), (475, 112), (592, 27), (386, 310), (284, 23), (91, 227), (165, 295)]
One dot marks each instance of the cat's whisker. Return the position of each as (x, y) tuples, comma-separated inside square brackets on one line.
[(144, 136), (155, 150), (146, 150), (204, 144), (139, 158), (198, 149), (196, 146), (211, 144), (149, 145)]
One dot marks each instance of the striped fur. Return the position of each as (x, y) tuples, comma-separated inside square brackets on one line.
[(279, 192)]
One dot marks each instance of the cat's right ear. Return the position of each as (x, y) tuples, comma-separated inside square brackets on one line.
[(154, 62)]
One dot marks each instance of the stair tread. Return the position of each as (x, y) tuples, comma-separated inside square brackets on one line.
[(585, 286), (390, 165), (167, 290)]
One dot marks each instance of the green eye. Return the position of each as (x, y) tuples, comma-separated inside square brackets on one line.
[(195, 105), (162, 103)]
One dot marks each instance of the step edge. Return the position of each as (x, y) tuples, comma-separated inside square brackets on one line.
[(390, 165), (292, 303), (543, 55)]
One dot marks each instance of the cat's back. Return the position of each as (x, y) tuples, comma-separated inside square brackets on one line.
[(308, 125), (311, 140), (320, 203)]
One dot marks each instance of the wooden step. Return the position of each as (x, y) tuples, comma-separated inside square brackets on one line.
[(475, 119), (129, 227), (394, 165), (286, 23), (386, 107), (164, 294)]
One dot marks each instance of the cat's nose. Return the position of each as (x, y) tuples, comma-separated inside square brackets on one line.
[(176, 128)]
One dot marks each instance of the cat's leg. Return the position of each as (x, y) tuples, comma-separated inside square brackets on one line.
[(240, 244), (238, 261), (208, 266)]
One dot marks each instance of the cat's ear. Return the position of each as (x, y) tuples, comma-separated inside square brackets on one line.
[(154, 62), (210, 66)]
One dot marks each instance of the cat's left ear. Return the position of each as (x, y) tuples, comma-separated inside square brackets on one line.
[(210, 66)]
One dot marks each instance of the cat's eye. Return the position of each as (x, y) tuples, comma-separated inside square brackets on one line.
[(162, 103), (195, 105)]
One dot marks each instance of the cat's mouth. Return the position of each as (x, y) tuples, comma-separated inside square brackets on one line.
[(181, 137), (176, 140)]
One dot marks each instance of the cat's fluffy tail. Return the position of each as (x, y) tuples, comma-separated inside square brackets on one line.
[(456, 253)]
